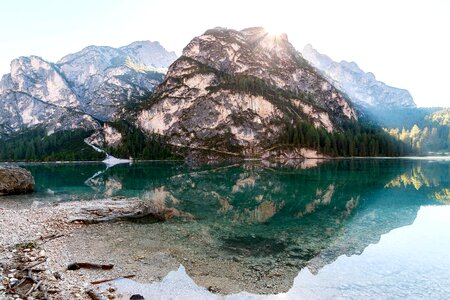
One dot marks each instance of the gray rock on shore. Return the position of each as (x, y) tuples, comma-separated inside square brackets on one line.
[(15, 180)]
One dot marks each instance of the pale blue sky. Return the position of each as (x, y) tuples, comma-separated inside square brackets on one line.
[(404, 43)]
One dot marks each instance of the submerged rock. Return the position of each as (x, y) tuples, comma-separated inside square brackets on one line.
[(15, 180)]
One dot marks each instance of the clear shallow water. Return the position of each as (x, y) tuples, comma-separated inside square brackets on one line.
[(407, 263), (345, 228)]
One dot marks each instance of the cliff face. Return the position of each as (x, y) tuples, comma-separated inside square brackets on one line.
[(235, 91), (95, 83), (362, 88)]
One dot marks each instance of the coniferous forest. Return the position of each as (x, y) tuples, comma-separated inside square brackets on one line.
[(36, 145), (356, 139), (138, 146)]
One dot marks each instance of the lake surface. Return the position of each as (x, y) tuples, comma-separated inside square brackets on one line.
[(372, 228)]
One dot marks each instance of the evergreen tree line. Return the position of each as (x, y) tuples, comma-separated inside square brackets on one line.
[(36, 145), (356, 139), (138, 146)]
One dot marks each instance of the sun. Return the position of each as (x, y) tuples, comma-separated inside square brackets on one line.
[(274, 30)]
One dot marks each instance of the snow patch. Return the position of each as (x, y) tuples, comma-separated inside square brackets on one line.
[(110, 160)]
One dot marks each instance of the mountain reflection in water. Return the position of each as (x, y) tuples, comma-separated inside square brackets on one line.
[(266, 221)]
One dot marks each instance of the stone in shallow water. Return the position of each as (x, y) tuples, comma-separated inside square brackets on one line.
[(15, 180)]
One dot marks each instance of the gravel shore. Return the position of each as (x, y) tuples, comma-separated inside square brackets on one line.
[(49, 237), (37, 245)]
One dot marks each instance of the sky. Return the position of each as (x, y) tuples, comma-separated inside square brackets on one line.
[(405, 43)]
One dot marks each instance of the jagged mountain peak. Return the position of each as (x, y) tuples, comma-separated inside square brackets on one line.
[(311, 54), (362, 88), (149, 53), (96, 82), (234, 91), (31, 61), (225, 49), (90, 53)]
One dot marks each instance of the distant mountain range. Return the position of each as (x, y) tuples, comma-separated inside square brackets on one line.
[(362, 88), (93, 84)]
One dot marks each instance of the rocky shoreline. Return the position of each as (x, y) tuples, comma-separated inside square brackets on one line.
[(35, 249)]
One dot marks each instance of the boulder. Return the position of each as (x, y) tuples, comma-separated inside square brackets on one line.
[(15, 180)]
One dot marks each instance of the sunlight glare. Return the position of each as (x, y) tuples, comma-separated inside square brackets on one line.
[(275, 30)]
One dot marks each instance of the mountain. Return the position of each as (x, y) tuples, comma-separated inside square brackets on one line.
[(82, 88), (231, 94), (362, 88), (234, 92)]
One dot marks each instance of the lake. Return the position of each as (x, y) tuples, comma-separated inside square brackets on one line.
[(372, 228)]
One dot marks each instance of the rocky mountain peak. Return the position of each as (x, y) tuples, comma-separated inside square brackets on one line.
[(362, 88), (149, 53), (94, 83), (233, 91), (243, 51)]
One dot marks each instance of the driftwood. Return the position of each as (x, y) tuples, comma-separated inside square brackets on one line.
[(111, 279), (48, 238), (77, 266), (118, 210), (36, 283)]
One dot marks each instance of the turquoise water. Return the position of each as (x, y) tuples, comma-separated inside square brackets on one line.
[(345, 228)]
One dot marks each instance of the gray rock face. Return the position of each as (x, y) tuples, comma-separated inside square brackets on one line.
[(232, 91), (95, 83), (151, 54), (15, 180), (361, 87)]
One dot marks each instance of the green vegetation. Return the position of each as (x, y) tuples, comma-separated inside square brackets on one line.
[(26, 245), (441, 117), (434, 136), (356, 139), (254, 86), (36, 145), (136, 145)]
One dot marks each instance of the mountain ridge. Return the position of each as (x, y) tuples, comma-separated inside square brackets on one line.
[(241, 94), (362, 87), (81, 88)]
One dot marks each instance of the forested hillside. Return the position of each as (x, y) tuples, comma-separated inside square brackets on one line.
[(432, 136), (355, 140), (36, 145)]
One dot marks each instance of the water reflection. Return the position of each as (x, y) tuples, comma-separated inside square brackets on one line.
[(261, 223), (405, 264)]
